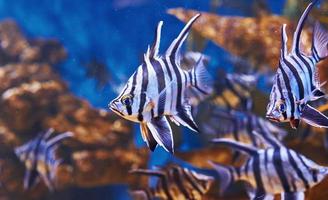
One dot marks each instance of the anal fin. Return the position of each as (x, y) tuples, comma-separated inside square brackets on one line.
[(161, 131), (147, 137)]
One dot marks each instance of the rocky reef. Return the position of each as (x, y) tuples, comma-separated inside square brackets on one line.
[(34, 99), (259, 36)]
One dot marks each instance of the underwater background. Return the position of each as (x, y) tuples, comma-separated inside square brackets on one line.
[(105, 42)]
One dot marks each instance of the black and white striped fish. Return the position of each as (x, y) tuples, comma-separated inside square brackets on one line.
[(156, 91), (39, 158), (174, 183), (271, 171), (234, 91), (240, 126), (296, 81)]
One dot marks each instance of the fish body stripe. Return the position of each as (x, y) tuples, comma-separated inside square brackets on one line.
[(158, 68), (257, 175), (134, 82), (297, 78), (250, 129), (284, 114), (308, 169), (289, 90), (278, 164), (144, 86), (304, 76), (297, 169), (179, 83), (246, 168), (168, 69), (308, 67)]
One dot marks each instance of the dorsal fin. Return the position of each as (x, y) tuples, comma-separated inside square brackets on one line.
[(284, 39), (174, 48), (236, 145), (157, 40), (300, 26)]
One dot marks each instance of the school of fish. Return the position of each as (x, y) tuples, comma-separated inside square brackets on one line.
[(161, 89)]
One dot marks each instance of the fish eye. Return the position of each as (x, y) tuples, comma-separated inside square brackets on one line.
[(127, 100), (282, 107)]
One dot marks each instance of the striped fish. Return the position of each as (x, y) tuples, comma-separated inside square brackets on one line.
[(234, 91), (240, 126), (156, 91), (174, 183), (39, 158), (271, 171), (296, 81)]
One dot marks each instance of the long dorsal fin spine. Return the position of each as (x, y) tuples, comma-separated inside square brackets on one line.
[(174, 48), (153, 50), (284, 39), (300, 26)]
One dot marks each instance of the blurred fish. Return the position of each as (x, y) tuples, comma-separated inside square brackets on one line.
[(157, 91), (234, 91), (98, 71), (297, 81), (240, 126), (174, 183), (188, 61), (39, 158), (271, 171)]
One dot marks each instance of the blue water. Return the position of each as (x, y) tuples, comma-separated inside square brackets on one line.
[(94, 29)]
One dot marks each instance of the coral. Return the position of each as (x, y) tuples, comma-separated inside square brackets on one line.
[(257, 39)]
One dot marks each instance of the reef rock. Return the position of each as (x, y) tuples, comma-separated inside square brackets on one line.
[(257, 39), (33, 98)]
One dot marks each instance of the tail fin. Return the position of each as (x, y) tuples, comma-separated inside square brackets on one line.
[(226, 176), (201, 82), (319, 42)]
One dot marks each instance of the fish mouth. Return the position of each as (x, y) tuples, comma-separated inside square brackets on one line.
[(272, 118), (113, 107)]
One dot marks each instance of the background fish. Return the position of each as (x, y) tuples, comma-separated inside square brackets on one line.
[(157, 91), (174, 183), (240, 126), (296, 81), (39, 158), (271, 171)]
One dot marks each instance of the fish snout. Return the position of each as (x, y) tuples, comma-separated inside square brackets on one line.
[(112, 105), (272, 117)]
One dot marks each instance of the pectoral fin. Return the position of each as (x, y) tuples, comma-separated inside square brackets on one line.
[(314, 117), (161, 131)]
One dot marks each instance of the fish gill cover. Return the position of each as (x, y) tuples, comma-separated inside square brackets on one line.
[(61, 62)]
